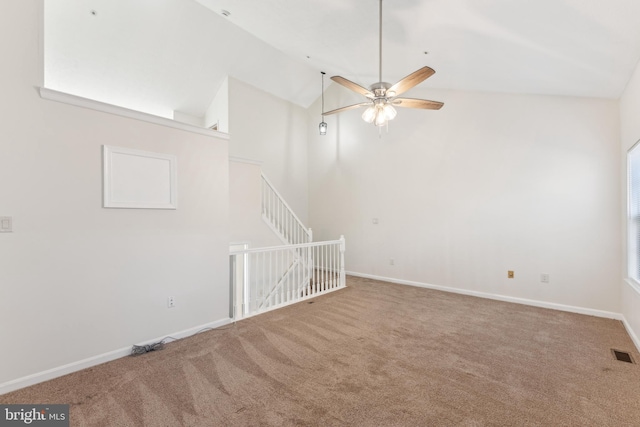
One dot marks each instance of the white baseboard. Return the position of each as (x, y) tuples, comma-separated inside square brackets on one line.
[(631, 333), (542, 304), (59, 371), (534, 303)]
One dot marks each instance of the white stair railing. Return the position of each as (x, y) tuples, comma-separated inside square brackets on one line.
[(295, 272), (269, 278), (281, 218)]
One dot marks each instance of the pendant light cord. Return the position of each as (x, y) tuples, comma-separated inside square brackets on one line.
[(322, 93), (380, 46)]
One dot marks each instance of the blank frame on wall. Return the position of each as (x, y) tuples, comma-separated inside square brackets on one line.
[(139, 179)]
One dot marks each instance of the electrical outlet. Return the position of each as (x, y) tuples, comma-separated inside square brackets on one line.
[(6, 224), (171, 302), (544, 278), (392, 261), (510, 274)]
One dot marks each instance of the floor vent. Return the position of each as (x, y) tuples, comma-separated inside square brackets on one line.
[(622, 356)]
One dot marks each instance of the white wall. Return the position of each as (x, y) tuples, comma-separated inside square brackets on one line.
[(78, 281), (489, 183), (629, 135), (273, 131)]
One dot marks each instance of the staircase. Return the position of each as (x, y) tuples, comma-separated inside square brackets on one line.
[(281, 218), (267, 278)]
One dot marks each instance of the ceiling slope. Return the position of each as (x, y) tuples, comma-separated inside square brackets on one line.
[(164, 55)]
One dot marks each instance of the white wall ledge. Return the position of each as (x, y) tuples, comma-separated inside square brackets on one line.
[(243, 160), (54, 95)]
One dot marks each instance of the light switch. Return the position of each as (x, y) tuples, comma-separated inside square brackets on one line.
[(6, 224)]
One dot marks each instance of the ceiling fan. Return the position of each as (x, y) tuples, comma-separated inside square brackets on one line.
[(383, 97)]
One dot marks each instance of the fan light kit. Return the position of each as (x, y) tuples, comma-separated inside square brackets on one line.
[(383, 97)]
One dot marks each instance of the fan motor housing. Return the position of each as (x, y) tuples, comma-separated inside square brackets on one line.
[(380, 89)]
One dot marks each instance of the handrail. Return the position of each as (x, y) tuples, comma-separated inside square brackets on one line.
[(284, 247)]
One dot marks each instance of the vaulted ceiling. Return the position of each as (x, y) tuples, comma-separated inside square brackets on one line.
[(166, 55)]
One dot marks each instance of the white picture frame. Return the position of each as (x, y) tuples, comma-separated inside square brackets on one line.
[(135, 179)]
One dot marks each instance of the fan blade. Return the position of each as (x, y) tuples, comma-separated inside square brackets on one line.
[(417, 103), (353, 86), (349, 107), (410, 81)]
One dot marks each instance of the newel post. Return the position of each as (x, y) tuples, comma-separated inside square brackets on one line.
[(343, 275)]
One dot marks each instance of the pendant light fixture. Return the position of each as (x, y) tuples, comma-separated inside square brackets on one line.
[(323, 125)]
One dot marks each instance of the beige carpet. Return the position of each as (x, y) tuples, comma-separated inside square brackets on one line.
[(373, 354)]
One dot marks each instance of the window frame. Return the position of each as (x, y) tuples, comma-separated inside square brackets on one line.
[(633, 217)]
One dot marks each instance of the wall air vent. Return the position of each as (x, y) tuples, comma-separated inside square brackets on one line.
[(622, 356)]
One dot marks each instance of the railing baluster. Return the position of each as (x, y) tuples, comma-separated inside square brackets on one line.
[(253, 284), (278, 262), (256, 280), (320, 262), (252, 277), (267, 280), (260, 295), (294, 278), (330, 249), (330, 266), (331, 263), (314, 274), (337, 266), (269, 207), (322, 271), (262, 265), (301, 273), (333, 266), (288, 233), (326, 268), (281, 218), (285, 263)]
